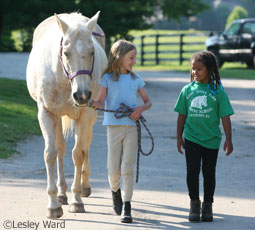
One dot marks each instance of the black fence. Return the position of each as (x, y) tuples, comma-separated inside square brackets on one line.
[(161, 48)]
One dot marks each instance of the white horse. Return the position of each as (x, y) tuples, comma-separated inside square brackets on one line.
[(199, 101), (63, 71)]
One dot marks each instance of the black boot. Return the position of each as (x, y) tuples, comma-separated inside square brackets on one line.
[(207, 213), (117, 202), (194, 214), (126, 213)]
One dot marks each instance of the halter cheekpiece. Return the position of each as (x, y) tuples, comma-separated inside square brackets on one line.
[(79, 72)]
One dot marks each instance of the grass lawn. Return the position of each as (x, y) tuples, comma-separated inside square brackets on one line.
[(18, 115), (228, 70)]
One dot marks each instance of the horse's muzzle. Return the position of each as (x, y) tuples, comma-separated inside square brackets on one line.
[(81, 97)]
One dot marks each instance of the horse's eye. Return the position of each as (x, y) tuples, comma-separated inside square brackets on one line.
[(66, 53), (92, 53)]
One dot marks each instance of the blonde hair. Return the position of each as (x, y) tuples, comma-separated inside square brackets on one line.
[(118, 50)]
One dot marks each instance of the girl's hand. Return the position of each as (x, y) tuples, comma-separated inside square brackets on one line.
[(180, 145), (136, 113), (229, 147)]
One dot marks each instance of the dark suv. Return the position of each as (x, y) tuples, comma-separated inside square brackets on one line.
[(236, 43)]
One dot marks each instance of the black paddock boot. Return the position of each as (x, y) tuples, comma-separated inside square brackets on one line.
[(207, 213), (126, 213), (117, 202), (194, 213)]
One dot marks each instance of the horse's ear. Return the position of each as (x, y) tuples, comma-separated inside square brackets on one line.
[(93, 21), (62, 25)]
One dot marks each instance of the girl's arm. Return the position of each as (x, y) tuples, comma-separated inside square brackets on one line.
[(228, 133), (139, 110), (99, 103), (180, 126)]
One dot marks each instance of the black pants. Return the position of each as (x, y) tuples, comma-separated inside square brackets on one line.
[(195, 154)]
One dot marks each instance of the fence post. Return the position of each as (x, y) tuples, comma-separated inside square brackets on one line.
[(181, 48), (156, 50), (142, 50)]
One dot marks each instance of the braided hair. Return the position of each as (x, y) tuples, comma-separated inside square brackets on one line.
[(210, 62)]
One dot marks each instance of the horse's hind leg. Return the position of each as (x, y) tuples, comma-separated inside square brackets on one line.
[(48, 124), (61, 148)]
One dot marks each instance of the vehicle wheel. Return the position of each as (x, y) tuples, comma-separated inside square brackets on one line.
[(251, 63), (218, 58)]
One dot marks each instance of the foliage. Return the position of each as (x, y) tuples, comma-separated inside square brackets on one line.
[(175, 9), (237, 13), (18, 115), (117, 16), (22, 39), (249, 5)]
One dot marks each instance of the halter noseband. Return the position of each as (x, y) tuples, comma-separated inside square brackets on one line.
[(79, 72)]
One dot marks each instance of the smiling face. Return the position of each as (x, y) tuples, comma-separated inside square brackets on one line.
[(128, 61), (199, 71)]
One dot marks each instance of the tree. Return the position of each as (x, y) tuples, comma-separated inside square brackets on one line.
[(117, 16), (249, 5), (24, 16), (176, 9), (237, 13)]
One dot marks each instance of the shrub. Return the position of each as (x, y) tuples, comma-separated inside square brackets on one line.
[(237, 13)]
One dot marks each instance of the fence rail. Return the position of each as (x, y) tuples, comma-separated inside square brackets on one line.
[(155, 48)]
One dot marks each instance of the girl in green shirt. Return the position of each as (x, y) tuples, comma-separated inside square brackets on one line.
[(201, 105)]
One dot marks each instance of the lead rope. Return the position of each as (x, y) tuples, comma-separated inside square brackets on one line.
[(125, 111)]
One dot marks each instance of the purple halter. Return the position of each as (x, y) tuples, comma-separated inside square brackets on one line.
[(79, 72)]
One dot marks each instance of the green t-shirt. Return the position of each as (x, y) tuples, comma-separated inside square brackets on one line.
[(203, 110)]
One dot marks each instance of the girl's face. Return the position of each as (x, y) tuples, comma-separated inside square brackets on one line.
[(199, 71), (128, 61)]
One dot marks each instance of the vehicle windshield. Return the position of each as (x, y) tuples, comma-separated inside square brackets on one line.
[(232, 29), (249, 28)]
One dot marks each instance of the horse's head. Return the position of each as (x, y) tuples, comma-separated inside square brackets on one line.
[(77, 56)]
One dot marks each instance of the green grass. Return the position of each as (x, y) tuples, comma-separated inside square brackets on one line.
[(228, 70), (18, 115), (173, 49)]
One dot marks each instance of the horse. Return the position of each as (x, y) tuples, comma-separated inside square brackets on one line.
[(199, 101), (64, 67)]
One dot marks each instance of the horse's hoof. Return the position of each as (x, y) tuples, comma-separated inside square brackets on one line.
[(85, 192), (76, 208), (55, 213), (63, 200)]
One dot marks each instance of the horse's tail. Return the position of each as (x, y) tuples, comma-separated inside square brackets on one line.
[(67, 126)]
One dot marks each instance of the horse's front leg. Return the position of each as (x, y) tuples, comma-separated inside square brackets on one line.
[(83, 127), (48, 126), (89, 123), (61, 148)]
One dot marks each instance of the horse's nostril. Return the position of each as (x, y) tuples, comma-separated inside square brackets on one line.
[(88, 95), (82, 97), (75, 96)]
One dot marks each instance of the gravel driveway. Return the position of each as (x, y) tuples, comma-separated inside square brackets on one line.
[(160, 198)]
